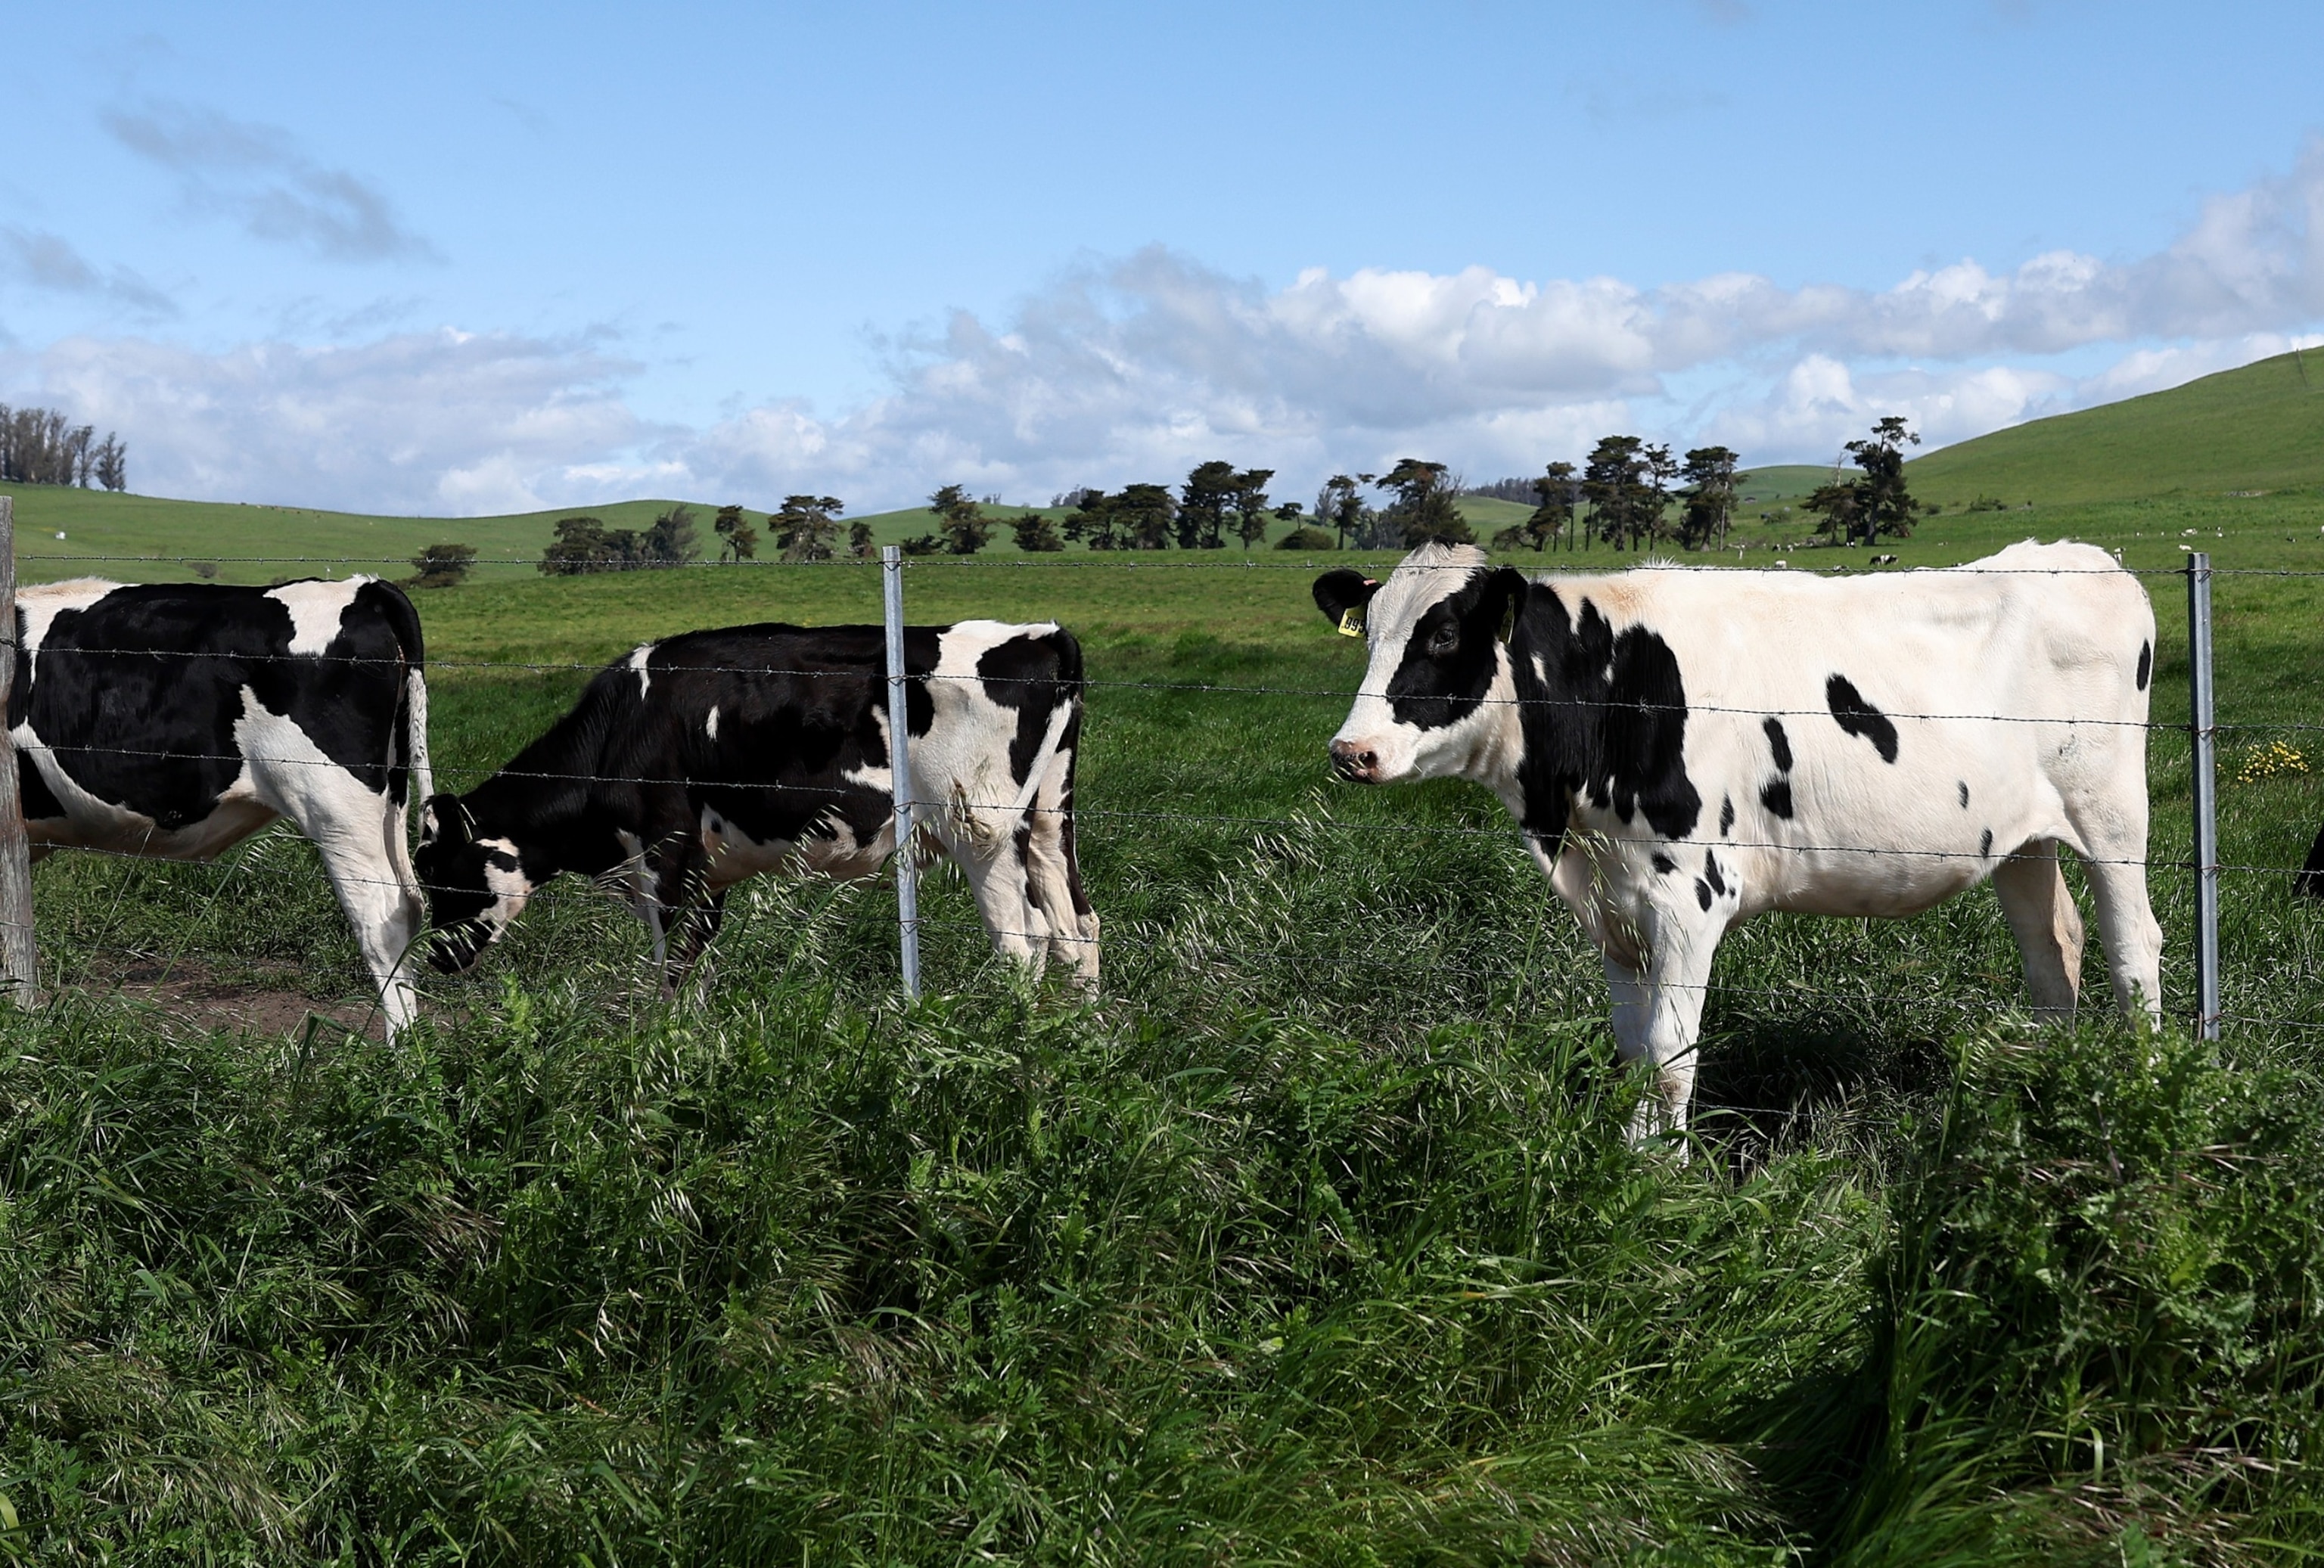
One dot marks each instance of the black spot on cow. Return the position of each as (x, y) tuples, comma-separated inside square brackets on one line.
[(1454, 652), (1599, 712), (1710, 872), (1726, 813), (1664, 864), (1779, 743), (1775, 795), (1964, 794), (1036, 676), (1858, 717), (1702, 892), (1985, 846), (2145, 663)]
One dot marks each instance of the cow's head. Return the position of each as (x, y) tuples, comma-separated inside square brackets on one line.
[(1435, 630), (476, 886)]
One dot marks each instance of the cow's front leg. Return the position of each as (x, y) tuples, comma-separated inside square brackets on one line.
[(1658, 1021)]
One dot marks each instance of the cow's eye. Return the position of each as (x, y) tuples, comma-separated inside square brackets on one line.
[(1445, 640)]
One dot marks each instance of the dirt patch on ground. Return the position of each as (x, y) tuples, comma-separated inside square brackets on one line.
[(190, 994)]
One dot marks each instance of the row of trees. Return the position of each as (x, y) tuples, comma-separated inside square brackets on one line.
[(1629, 493), (1632, 496), (43, 447)]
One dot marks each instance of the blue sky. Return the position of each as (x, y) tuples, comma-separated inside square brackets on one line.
[(460, 260)]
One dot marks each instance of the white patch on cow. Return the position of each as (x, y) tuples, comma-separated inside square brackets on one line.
[(316, 609), (638, 659), (511, 889), (710, 725)]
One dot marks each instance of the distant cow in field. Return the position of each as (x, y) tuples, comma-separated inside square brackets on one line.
[(1684, 749), (174, 721), (704, 759)]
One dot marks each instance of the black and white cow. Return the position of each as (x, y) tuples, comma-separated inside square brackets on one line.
[(1685, 749), (175, 720), (2309, 879), (707, 758)]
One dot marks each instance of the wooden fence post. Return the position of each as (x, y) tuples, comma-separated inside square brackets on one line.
[(19, 972)]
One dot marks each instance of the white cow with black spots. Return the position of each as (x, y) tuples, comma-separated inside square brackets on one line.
[(1686, 748)]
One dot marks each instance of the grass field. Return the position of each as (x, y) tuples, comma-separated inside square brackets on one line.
[(1312, 1239), (2259, 427)]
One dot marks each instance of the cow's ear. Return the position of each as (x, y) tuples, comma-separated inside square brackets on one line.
[(443, 817), (1342, 596), (1507, 586)]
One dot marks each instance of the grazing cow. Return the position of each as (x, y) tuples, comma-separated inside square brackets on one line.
[(175, 720), (1684, 749), (706, 758)]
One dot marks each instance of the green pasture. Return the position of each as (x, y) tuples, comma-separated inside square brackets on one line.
[(1312, 1240), (2259, 427)]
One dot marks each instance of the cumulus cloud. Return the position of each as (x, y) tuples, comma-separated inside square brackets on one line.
[(256, 175), (1138, 367), (437, 422)]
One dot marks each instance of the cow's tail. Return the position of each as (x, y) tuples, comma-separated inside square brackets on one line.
[(415, 734)]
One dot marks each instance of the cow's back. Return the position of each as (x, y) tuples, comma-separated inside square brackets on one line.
[(138, 692)]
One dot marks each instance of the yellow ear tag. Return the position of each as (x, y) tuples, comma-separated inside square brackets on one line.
[(1352, 621)]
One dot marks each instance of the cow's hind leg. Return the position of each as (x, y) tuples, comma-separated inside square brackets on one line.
[(1657, 1018), (2114, 857), (359, 845), (2034, 900)]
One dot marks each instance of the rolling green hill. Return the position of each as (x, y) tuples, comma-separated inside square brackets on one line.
[(2260, 427)]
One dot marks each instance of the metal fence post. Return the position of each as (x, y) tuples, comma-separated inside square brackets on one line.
[(2205, 728), (899, 768), (19, 962)]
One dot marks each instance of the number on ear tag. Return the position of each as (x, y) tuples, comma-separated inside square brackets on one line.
[(1352, 621)]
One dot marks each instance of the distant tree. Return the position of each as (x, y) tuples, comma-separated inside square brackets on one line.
[(1144, 515), (43, 447), (1554, 493), (737, 540), (1886, 504), (1092, 520), (580, 546), (859, 539), (442, 566), (1307, 538), (1840, 504), (1203, 504), (1250, 509), (1616, 483), (670, 542), (925, 544), (1861, 510), (1662, 472), (1036, 534), (113, 464), (1424, 509), (1340, 506), (806, 526), (1710, 473), (960, 520)]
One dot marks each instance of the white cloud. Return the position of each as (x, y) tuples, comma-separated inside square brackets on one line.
[(1139, 367), (443, 421)]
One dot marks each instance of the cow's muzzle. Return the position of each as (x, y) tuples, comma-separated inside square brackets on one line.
[(455, 949), (1356, 764)]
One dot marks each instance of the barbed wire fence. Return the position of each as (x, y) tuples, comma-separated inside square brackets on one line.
[(2203, 731)]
